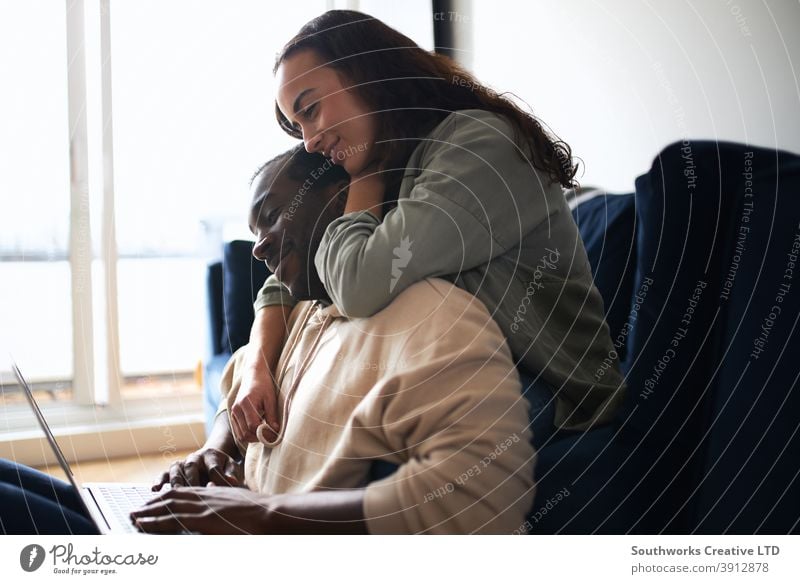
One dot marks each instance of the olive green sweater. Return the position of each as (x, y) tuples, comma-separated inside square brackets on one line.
[(472, 210)]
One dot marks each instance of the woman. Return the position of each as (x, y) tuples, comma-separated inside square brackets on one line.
[(449, 179)]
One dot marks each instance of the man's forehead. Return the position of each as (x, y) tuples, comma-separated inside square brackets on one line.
[(261, 191), (269, 181)]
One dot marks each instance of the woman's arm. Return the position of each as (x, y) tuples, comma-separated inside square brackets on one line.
[(473, 199), (256, 400)]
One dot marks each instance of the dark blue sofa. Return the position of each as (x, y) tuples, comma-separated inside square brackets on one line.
[(698, 271)]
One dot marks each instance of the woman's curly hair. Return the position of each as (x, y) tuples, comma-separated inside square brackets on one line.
[(411, 90)]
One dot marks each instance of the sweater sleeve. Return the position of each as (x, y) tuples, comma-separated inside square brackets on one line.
[(472, 199), (459, 423), (273, 293)]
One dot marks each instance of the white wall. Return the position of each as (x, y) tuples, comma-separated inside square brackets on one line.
[(410, 17), (620, 79)]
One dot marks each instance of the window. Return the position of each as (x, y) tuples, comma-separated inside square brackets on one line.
[(193, 119), (35, 296), (130, 132), (191, 107)]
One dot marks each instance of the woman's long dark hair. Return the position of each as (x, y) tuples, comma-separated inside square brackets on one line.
[(414, 90)]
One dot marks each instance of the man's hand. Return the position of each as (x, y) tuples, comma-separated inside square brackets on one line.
[(255, 403), (204, 467), (213, 510)]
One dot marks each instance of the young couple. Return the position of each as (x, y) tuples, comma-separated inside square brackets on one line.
[(414, 252)]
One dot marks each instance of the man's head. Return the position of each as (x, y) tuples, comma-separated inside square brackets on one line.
[(294, 198)]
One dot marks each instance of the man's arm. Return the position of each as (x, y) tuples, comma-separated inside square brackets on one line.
[(322, 512), (217, 510), (221, 437)]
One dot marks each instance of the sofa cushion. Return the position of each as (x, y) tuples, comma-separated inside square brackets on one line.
[(607, 223), (584, 483)]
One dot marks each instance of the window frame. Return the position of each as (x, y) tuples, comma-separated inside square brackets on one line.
[(90, 419)]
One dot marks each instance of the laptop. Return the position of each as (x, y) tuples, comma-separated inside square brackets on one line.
[(107, 504)]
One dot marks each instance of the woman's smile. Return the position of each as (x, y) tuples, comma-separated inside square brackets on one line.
[(333, 153)]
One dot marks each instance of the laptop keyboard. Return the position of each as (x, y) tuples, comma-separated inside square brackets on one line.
[(123, 500)]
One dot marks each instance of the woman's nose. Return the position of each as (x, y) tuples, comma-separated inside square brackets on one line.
[(314, 143)]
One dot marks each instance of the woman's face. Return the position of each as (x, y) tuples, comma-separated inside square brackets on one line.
[(332, 117)]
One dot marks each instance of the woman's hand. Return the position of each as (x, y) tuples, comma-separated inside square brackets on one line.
[(213, 510), (256, 398), (255, 403), (204, 467)]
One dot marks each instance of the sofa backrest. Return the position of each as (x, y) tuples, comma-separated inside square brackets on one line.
[(607, 225), (214, 308), (692, 320), (751, 467), (232, 289)]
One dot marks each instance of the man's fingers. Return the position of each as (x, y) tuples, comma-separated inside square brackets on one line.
[(167, 523), (219, 477), (174, 511), (179, 500), (191, 471), (235, 470), (176, 477), (222, 469), (161, 482), (168, 507)]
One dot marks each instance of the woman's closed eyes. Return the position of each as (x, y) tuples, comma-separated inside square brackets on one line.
[(308, 112)]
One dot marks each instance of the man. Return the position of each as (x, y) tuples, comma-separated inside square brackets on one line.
[(427, 384)]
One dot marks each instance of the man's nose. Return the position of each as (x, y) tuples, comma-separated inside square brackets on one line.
[(261, 247)]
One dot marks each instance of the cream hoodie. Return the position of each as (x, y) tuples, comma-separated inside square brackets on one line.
[(427, 383)]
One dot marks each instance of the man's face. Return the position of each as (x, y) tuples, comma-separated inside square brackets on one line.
[(288, 225)]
